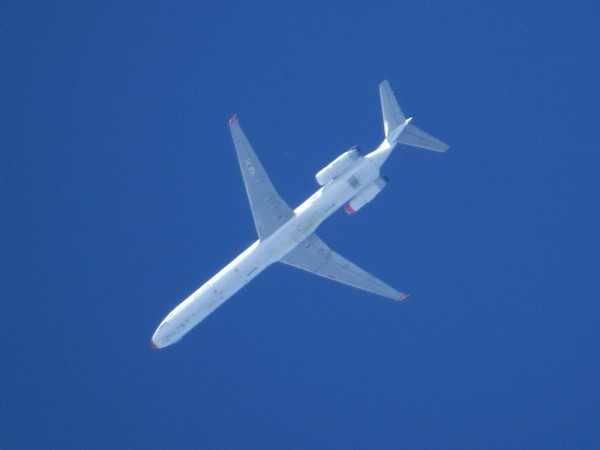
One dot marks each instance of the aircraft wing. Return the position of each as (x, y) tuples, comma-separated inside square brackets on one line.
[(269, 210), (314, 256)]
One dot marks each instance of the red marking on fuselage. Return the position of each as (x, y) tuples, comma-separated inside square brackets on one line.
[(349, 209)]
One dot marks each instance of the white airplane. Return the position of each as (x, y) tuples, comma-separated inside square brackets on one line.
[(288, 235)]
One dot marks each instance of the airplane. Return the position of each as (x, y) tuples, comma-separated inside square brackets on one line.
[(288, 236)]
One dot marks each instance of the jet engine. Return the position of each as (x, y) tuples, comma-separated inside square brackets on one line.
[(366, 196), (339, 165)]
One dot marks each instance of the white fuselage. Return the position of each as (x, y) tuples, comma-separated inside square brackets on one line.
[(252, 261)]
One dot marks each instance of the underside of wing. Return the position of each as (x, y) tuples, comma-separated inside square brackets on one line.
[(269, 210), (314, 256)]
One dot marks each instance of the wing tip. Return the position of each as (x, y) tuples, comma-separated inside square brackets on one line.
[(233, 119), (403, 297)]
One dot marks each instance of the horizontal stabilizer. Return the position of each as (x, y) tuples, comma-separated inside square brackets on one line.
[(392, 114), (416, 137), (394, 120)]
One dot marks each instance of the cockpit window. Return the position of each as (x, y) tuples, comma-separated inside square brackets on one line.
[(162, 325)]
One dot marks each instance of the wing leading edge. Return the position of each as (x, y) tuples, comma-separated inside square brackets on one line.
[(314, 256), (269, 210)]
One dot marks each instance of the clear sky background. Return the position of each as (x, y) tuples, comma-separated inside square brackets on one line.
[(121, 195)]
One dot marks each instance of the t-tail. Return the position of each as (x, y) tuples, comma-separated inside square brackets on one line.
[(398, 128)]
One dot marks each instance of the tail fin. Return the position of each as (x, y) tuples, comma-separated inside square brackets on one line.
[(410, 134)]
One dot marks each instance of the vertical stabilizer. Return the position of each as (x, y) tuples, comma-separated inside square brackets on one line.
[(398, 129)]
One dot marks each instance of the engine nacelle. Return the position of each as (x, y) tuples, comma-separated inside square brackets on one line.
[(366, 196), (339, 165)]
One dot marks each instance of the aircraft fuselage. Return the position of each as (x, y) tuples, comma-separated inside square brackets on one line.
[(288, 235), (262, 253)]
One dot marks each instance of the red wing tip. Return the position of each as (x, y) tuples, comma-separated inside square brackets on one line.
[(403, 297), (233, 119), (153, 345)]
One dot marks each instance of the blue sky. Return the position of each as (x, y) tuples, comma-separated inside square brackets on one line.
[(121, 195)]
